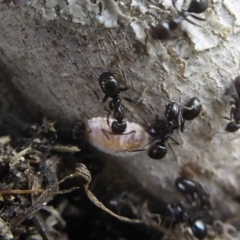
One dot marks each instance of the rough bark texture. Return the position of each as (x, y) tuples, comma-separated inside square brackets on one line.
[(52, 53)]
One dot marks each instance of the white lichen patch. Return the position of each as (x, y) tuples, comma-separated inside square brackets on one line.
[(234, 9), (51, 3), (76, 11), (122, 145), (48, 13), (108, 19), (201, 38), (111, 12), (219, 27), (140, 33)]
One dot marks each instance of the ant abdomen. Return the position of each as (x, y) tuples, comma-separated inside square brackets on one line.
[(185, 186), (196, 107), (198, 6), (161, 31), (199, 228), (119, 128), (232, 127), (157, 150)]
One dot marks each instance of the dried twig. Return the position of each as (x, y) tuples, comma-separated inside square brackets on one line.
[(16, 158), (5, 231), (65, 149), (46, 196), (81, 170), (20, 191)]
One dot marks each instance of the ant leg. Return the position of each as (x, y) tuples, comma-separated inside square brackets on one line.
[(125, 77), (175, 156), (173, 37), (128, 99), (183, 130), (157, 117), (190, 108), (198, 18), (87, 130), (174, 5), (108, 115), (140, 99), (128, 133), (105, 133), (145, 121), (122, 89), (155, 215), (174, 140), (188, 233), (182, 126), (232, 113), (190, 21), (180, 119), (142, 149), (101, 100), (227, 118)]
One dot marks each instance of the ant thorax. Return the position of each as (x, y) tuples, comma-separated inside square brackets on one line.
[(102, 137)]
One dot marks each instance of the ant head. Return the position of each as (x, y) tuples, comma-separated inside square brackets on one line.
[(177, 210), (198, 6), (78, 128), (109, 84)]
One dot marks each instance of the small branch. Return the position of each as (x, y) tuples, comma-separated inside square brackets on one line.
[(18, 191), (81, 170)]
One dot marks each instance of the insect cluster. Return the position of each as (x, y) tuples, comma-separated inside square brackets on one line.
[(163, 30), (234, 125), (160, 131), (175, 115), (199, 202)]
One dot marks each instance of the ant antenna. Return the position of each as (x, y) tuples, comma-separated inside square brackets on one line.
[(149, 86)]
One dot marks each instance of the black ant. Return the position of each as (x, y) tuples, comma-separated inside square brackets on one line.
[(110, 86), (72, 135), (176, 212), (160, 131), (233, 126), (163, 30), (178, 114), (194, 190), (179, 215)]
